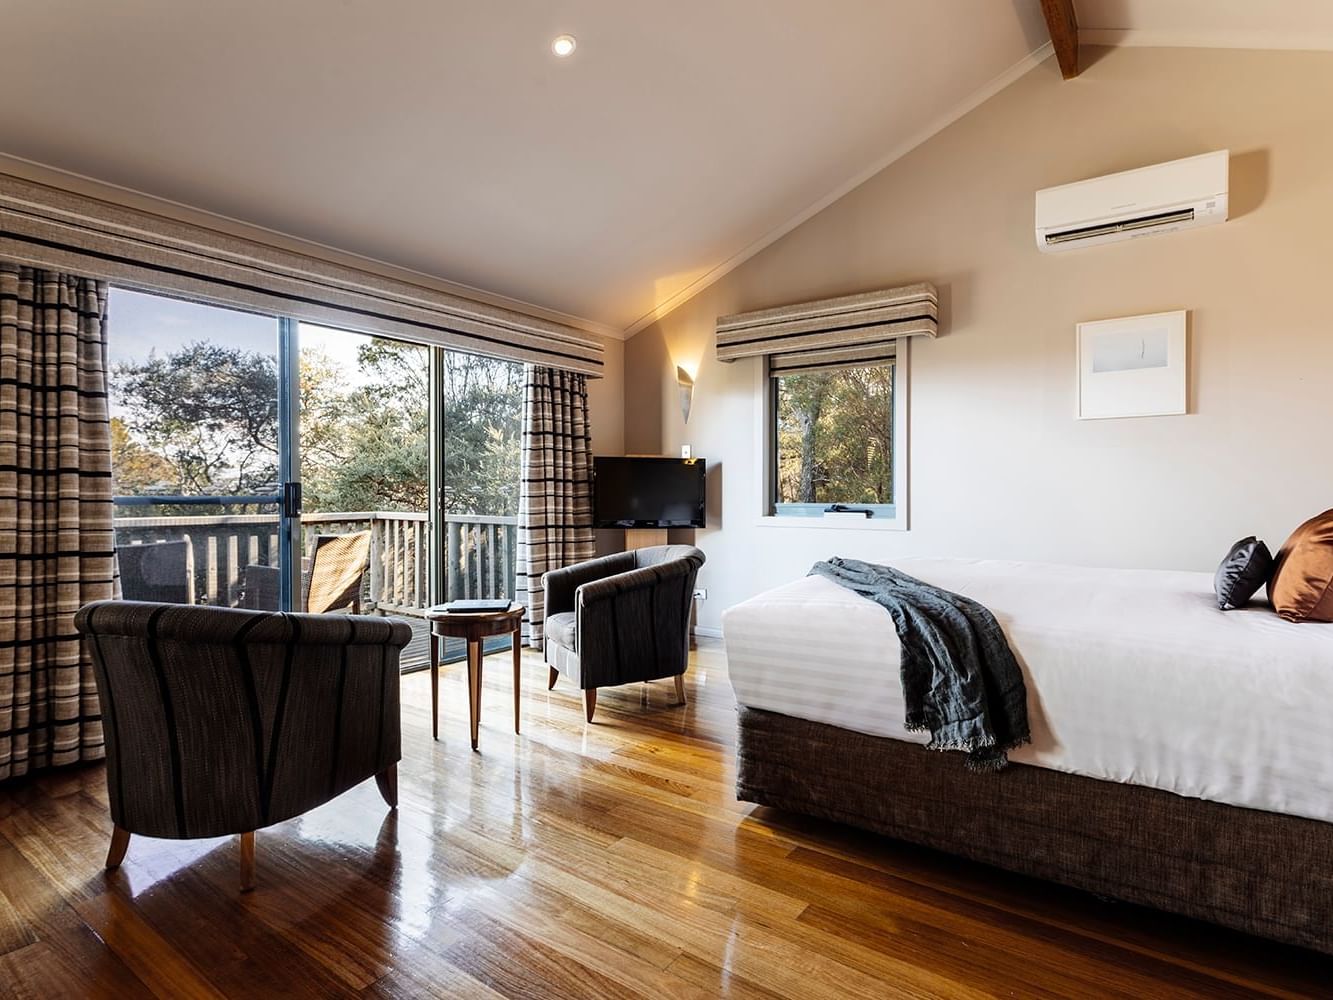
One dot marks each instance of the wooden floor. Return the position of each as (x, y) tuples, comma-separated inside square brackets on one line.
[(579, 861)]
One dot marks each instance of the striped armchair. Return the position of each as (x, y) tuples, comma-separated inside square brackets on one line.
[(621, 619), (221, 721)]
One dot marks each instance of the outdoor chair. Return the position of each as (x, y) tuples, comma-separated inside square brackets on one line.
[(157, 571), (333, 580)]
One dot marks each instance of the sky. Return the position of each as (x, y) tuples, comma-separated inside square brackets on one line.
[(138, 323)]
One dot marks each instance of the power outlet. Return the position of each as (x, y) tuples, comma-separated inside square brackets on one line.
[(700, 593)]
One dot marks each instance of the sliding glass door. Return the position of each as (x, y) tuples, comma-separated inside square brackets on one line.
[(366, 468), (481, 418), (200, 467), (268, 464)]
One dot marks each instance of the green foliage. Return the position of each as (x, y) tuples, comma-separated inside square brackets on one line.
[(364, 445), (137, 469), (367, 448), (203, 419), (207, 414), (483, 419), (835, 436)]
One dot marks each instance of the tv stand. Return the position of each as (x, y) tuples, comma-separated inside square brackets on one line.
[(643, 538)]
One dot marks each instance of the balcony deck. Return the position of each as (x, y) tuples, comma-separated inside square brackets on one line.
[(479, 558)]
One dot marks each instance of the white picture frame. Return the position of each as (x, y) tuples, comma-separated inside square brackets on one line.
[(1134, 366)]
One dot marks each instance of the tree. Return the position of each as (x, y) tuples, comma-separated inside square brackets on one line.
[(136, 469), (209, 412), (835, 436), (367, 448), (203, 419), (483, 420), (800, 406)]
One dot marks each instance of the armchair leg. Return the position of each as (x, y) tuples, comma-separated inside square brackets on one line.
[(550, 680), (247, 861), (387, 780), (680, 689), (120, 842), (590, 702)]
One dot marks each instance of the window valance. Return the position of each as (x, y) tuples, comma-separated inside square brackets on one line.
[(857, 329), (46, 227)]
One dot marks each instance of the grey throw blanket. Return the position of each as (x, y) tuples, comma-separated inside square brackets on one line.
[(960, 679)]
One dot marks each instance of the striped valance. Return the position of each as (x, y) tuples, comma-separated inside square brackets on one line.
[(50, 228), (851, 330), (800, 362)]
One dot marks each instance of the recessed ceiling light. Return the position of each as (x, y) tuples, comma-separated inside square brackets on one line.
[(563, 45)]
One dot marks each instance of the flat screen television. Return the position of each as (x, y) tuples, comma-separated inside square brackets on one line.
[(648, 492)]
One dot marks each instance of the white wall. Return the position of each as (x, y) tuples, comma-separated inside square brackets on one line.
[(999, 466), (606, 414)]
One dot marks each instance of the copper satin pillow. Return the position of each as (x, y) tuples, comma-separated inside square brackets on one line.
[(1302, 585)]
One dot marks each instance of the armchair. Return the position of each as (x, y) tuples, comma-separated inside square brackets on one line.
[(620, 619), (222, 721)]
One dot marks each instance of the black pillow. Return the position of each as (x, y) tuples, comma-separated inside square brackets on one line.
[(1245, 569)]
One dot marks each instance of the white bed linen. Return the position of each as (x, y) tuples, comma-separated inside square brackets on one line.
[(1132, 676)]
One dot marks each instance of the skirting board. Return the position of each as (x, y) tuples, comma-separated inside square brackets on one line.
[(708, 631), (1258, 872)]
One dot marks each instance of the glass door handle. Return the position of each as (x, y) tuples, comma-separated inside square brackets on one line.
[(291, 499)]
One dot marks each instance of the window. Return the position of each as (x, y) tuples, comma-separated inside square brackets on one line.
[(264, 462), (832, 435), (196, 451)]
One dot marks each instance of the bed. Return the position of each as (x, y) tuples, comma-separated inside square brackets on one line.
[(1182, 757)]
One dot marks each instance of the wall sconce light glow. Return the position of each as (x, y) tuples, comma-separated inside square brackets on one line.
[(563, 45), (686, 385)]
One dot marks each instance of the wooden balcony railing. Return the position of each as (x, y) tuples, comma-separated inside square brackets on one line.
[(480, 552)]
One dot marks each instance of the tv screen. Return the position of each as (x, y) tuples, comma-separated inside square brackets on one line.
[(648, 492)]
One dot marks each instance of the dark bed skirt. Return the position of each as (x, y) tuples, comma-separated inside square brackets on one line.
[(1259, 872)]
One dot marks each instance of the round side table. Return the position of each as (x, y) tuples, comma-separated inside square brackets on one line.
[(474, 629)]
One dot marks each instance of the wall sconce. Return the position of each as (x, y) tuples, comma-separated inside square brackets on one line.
[(686, 385)]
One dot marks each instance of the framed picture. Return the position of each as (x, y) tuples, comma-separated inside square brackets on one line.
[(1132, 367)]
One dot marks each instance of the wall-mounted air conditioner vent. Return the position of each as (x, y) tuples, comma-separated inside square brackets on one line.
[(1182, 194)]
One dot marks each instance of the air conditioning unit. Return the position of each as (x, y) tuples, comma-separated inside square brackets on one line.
[(1182, 194)]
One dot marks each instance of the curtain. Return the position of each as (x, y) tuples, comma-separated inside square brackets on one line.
[(555, 494), (56, 539)]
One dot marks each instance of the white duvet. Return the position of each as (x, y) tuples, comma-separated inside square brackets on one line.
[(1132, 676)]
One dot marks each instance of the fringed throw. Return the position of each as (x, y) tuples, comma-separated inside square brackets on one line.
[(961, 682)]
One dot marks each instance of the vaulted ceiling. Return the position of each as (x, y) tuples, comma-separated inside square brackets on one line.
[(446, 137), (1241, 24)]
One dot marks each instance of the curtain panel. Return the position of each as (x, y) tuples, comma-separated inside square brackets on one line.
[(555, 494), (56, 539)]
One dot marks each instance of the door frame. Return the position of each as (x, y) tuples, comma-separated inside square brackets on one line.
[(289, 464)]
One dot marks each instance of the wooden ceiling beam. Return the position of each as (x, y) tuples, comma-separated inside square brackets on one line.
[(1063, 26)]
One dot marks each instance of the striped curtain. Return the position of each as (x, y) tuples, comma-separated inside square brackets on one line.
[(56, 547), (555, 495)]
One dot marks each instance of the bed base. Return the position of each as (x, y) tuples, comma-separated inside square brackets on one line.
[(1258, 872)]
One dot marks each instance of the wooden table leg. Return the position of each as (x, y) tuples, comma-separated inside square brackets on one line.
[(247, 861), (434, 686), (474, 654), (516, 640)]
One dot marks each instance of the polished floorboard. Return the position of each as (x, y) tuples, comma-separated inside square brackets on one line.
[(574, 860)]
